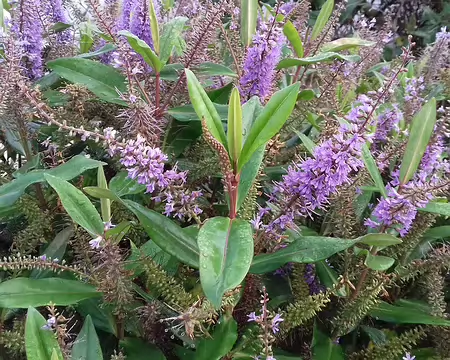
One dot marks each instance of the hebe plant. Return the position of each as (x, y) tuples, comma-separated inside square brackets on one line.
[(200, 180)]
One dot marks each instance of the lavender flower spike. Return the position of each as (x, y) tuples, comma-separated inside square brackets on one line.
[(261, 60), (57, 14)]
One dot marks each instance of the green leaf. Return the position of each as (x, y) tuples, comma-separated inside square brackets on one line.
[(307, 249), (55, 250), (59, 26), (77, 205), (172, 72), (142, 48), (87, 345), (422, 127), (2, 19), (100, 193), (171, 35), (249, 13), (103, 50), (222, 341), (328, 277), (25, 292), (248, 175), (379, 240), (205, 109), (402, 315), (11, 191), (105, 203), (309, 144), (269, 122), (40, 344), (104, 81), (306, 95), (122, 185), (117, 233), (439, 232), (167, 234), (294, 38), (235, 126), (154, 26), (436, 207), (187, 113), (323, 348), (345, 44), (212, 69), (319, 58), (378, 262), (136, 349), (372, 167), (322, 19), (226, 252), (102, 317), (377, 336)]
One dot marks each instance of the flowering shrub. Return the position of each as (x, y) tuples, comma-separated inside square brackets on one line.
[(200, 180)]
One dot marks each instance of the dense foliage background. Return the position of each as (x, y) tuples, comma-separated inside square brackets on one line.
[(224, 180)]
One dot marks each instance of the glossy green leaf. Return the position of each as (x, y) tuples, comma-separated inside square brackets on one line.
[(143, 49), (101, 315), (379, 240), (104, 81), (167, 234), (308, 249), (235, 126), (40, 344), (87, 345), (205, 108), (323, 348), (319, 58), (249, 14), (223, 338), (100, 193), (2, 18), (248, 175), (322, 19), (117, 233), (172, 72), (77, 205), (345, 44), (403, 315), (436, 207), (154, 26), (439, 232), (103, 50), (226, 252), (377, 336), (378, 262), (328, 277), (29, 165), (122, 185), (372, 167), (105, 203), (171, 35), (306, 95), (213, 69), (221, 95), (59, 27), (136, 349), (294, 38), (25, 292), (55, 250), (422, 127), (187, 112), (269, 121), (307, 142)]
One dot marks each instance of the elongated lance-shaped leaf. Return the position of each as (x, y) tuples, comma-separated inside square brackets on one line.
[(40, 344), (345, 44), (269, 122), (249, 13), (142, 48), (372, 167), (235, 127), (154, 26), (171, 37), (87, 345), (226, 252), (204, 108), (105, 203), (294, 38), (2, 21), (319, 58), (422, 127), (77, 205), (322, 19)]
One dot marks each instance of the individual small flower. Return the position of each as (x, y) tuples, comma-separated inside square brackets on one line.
[(252, 317), (51, 322), (43, 257), (408, 357), (95, 243), (275, 322)]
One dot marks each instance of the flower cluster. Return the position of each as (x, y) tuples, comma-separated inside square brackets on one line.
[(261, 60), (414, 88)]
